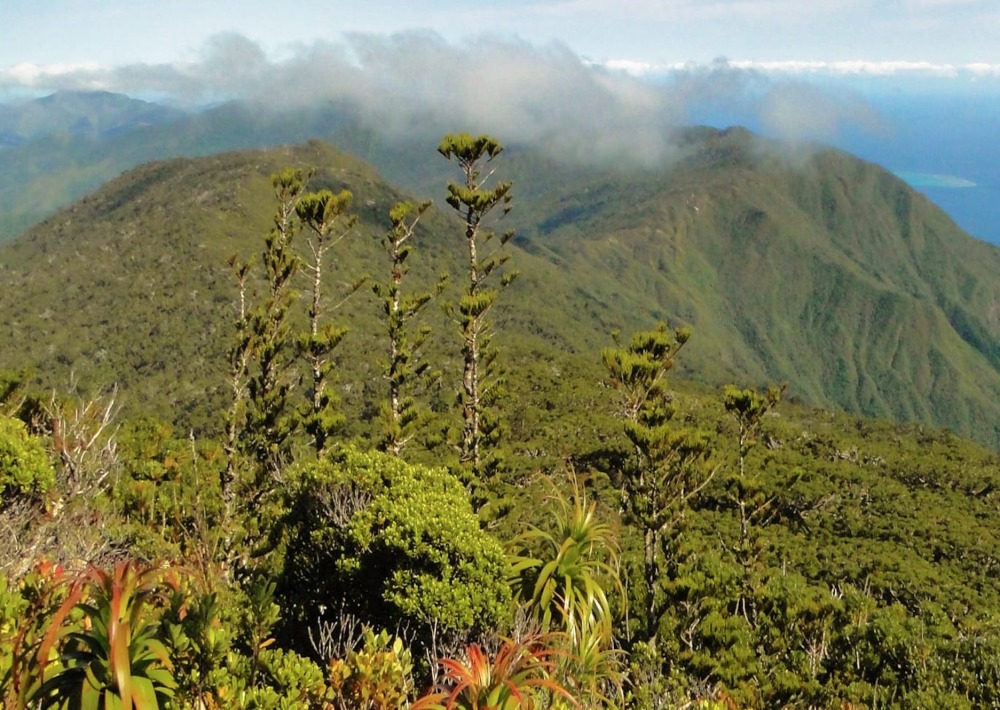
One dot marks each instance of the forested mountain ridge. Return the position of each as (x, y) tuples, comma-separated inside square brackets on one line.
[(139, 275), (131, 285), (85, 139), (57, 148), (91, 114), (671, 546), (819, 270)]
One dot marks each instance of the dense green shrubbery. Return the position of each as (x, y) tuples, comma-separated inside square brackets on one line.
[(726, 553), (393, 543), (25, 468)]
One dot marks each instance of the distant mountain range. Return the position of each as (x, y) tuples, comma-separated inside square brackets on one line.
[(824, 271), (94, 115), (58, 148)]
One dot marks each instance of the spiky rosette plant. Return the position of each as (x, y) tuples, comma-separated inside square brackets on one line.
[(112, 657), (518, 677), (561, 572)]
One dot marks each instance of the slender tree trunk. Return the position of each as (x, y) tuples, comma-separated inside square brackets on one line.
[(316, 360), (472, 408), (237, 380), (395, 446), (650, 572)]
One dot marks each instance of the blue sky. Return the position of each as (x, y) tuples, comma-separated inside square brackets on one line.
[(914, 84), (936, 36), (616, 71)]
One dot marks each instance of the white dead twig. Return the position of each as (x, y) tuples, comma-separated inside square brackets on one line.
[(83, 437)]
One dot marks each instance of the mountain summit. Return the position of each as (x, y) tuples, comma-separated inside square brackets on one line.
[(818, 270)]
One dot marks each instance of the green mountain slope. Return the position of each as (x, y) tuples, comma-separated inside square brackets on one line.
[(870, 566), (828, 273), (825, 272), (61, 147), (79, 113), (131, 284)]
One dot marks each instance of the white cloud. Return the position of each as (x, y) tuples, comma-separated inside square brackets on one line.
[(870, 68), (631, 67), (800, 113), (850, 67), (417, 82), (29, 75)]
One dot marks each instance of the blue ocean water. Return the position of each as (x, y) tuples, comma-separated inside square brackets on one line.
[(976, 210), (946, 145), (941, 135)]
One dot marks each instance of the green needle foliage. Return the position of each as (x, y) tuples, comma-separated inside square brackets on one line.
[(239, 356), (401, 415), (748, 407), (474, 200), (263, 416), (325, 214), (670, 465), (269, 420)]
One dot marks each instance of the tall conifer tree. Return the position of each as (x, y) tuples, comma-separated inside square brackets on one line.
[(269, 422), (671, 462), (325, 215), (754, 507), (474, 199), (401, 414)]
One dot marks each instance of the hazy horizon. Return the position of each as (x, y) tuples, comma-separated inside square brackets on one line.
[(930, 117)]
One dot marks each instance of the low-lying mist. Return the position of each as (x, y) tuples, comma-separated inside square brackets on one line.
[(417, 83)]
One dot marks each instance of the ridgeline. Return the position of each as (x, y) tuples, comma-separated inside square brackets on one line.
[(818, 270)]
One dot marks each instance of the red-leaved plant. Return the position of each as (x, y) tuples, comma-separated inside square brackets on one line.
[(519, 677), (108, 654)]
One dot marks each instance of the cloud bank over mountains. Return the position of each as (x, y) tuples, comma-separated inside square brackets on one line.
[(840, 68), (418, 82)]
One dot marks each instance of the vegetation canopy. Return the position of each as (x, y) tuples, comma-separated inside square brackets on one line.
[(304, 494)]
